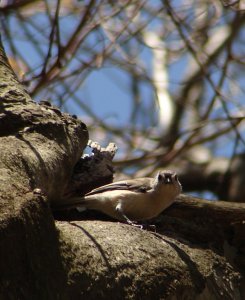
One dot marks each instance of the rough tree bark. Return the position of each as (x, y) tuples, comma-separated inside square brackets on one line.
[(197, 252)]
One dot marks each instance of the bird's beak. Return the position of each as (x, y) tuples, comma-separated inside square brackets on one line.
[(168, 179)]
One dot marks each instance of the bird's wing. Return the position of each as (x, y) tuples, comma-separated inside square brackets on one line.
[(141, 185)]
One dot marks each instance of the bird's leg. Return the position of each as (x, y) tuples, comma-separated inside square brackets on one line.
[(145, 226), (119, 210)]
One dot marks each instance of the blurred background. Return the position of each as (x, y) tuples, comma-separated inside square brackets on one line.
[(164, 80)]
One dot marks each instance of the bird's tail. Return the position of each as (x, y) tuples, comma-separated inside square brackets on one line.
[(75, 202)]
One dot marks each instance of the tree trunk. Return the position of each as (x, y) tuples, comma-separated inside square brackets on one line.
[(196, 253), (39, 147)]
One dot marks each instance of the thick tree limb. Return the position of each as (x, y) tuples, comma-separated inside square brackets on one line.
[(115, 261), (219, 225)]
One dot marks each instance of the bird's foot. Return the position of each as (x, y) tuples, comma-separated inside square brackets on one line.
[(142, 226), (135, 224)]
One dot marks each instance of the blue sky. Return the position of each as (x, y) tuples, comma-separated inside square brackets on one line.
[(105, 90)]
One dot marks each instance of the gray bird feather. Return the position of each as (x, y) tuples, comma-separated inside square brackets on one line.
[(143, 185)]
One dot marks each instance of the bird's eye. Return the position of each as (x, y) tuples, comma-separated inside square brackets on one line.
[(160, 177)]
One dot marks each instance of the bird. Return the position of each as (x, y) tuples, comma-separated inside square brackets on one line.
[(132, 200)]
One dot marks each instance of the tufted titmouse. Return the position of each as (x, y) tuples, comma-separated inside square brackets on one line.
[(132, 200)]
